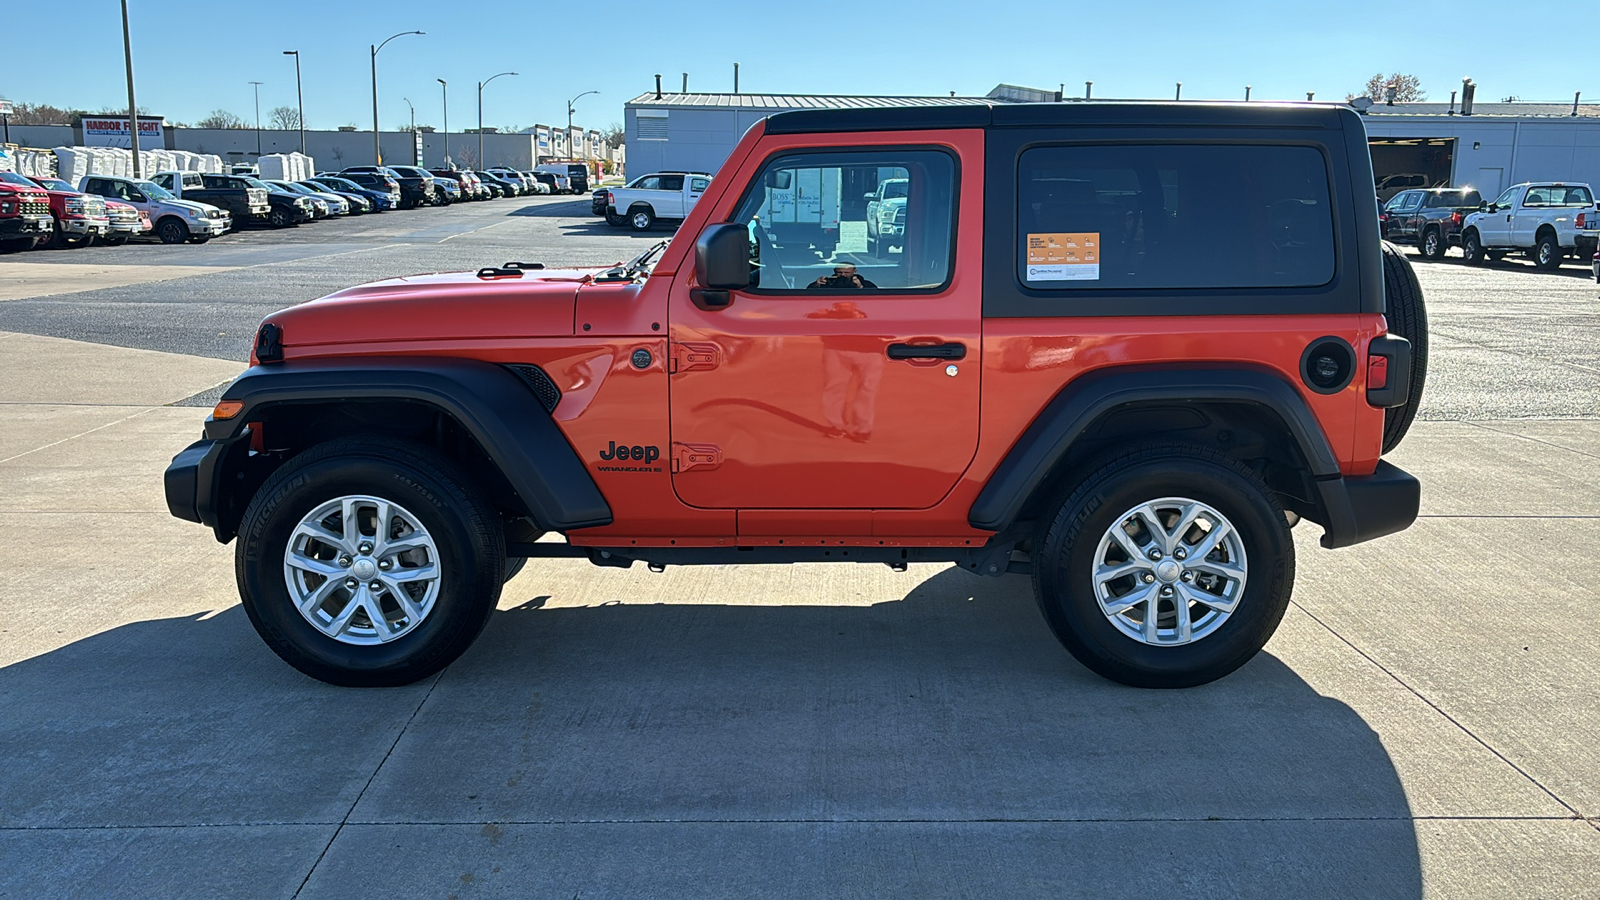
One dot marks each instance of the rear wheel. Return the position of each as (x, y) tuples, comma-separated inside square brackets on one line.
[(172, 231), (1433, 244), (1168, 567), (641, 218), (1408, 318), (369, 563), (1472, 247), (1547, 253)]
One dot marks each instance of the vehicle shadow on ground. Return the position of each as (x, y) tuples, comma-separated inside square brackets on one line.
[(577, 206), (951, 708), (1568, 269)]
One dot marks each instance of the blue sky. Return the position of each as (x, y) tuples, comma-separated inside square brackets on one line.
[(189, 59)]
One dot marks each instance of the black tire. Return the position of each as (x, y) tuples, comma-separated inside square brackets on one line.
[(1408, 318), (513, 565), (172, 231), (1433, 245), (114, 240), (616, 221), (1472, 247), (1547, 253), (1064, 559), (451, 508), (199, 238), (641, 218), (279, 218)]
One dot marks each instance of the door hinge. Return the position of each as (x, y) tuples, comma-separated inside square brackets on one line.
[(691, 355), (695, 456)]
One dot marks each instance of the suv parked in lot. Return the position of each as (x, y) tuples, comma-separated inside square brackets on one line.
[(77, 218), (176, 220), (652, 198), (1548, 220), (377, 182), (1430, 218), (1123, 349), (415, 190)]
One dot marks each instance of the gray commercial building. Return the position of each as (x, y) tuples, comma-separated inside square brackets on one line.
[(1497, 145)]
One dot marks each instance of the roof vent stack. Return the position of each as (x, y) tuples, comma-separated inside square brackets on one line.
[(1310, 95), (1388, 95), (1088, 90), (1575, 96), (1247, 93), (736, 79), (658, 87), (686, 82), (1452, 103), (1467, 90), (1178, 95)]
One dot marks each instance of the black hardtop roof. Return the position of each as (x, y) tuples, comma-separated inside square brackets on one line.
[(1079, 112)]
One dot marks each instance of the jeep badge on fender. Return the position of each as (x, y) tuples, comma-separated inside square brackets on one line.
[(1179, 332)]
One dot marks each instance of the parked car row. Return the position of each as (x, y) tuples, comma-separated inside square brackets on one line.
[(1548, 221), (194, 207)]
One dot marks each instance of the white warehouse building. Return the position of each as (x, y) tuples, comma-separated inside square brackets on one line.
[(1498, 145)]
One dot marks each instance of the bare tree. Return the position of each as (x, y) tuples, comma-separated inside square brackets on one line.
[(466, 156), (220, 118), (338, 153), (43, 114), (613, 134), (1407, 89), (284, 118)]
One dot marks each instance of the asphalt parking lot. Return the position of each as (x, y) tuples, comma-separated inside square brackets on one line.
[(1426, 722)]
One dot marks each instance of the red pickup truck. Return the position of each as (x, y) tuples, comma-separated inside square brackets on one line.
[(24, 214), (76, 218)]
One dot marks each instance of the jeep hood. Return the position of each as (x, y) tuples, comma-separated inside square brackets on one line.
[(435, 309)]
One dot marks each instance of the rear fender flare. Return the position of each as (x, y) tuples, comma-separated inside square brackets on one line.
[(1067, 417)]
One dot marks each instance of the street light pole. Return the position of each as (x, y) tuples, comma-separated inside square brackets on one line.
[(569, 119), (133, 108), (258, 118), (444, 91), (300, 98), (377, 151), (413, 109), (480, 117)]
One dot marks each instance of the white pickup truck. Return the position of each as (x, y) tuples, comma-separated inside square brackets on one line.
[(1548, 220), (650, 198)]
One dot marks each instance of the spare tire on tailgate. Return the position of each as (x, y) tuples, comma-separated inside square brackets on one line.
[(1408, 319)]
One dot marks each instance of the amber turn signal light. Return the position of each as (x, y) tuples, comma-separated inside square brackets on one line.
[(227, 409)]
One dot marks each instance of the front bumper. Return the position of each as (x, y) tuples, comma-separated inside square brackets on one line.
[(86, 225), (27, 225), (1361, 508), (211, 227), (193, 481)]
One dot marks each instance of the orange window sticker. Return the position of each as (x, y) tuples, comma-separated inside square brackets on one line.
[(1064, 256)]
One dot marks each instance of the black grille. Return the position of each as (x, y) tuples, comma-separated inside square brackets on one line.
[(541, 385)]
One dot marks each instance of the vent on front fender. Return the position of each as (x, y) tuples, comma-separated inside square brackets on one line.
[(541, 385)]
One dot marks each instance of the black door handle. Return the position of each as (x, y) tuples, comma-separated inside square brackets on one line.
[(927, 351)]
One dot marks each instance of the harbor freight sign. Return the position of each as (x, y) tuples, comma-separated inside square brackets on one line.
[(109, 131)]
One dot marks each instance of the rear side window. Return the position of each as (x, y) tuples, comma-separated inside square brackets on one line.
[(1174, 216), (1559, 195)]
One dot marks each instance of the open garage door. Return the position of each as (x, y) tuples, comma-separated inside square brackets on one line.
[(1400, 164)]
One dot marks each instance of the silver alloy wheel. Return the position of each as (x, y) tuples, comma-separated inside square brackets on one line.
[(641, 220), (1430, 244), (362, 570), (1169, 572), (1546, 252)]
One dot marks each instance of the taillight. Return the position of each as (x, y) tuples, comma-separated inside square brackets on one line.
[(1581, 220), (1455, 218)]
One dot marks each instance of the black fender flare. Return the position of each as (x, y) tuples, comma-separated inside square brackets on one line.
[(1083, 401), (491, 403)]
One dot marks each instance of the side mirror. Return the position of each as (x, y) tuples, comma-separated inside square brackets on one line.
[(722, 257), (869, 197), (1485, 206), (779, 179)]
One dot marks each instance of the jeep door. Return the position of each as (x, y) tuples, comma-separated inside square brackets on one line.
[(840, 378)]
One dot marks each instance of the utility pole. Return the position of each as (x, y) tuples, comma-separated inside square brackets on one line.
[(414, 162), (133, 108), (377, 151), (480, 117), (258, 85), (300, 98), (444, 91)]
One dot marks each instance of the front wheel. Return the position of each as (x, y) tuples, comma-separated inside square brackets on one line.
[(172, 231), (280, 218), (1168, 567), (369, 563), (115, 240), (1472, 248)]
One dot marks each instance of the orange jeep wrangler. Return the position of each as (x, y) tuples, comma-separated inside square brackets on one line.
[(1119, 348)]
